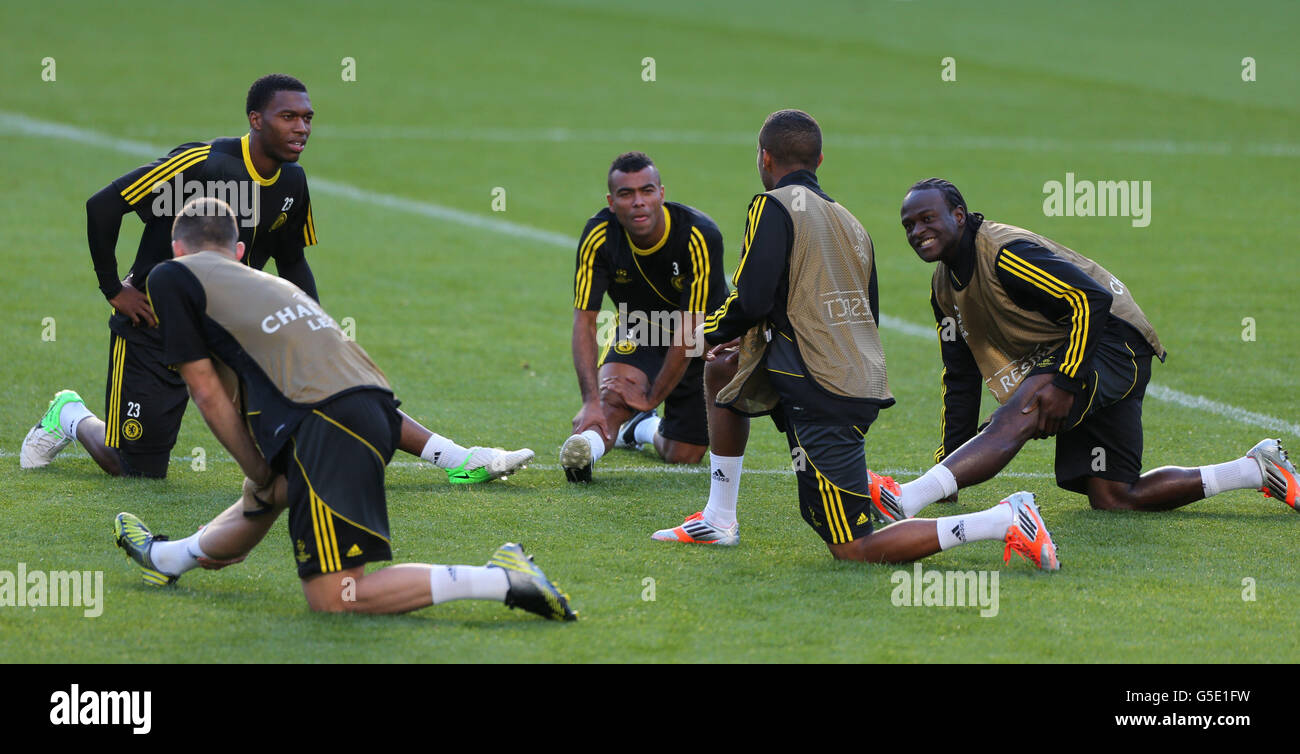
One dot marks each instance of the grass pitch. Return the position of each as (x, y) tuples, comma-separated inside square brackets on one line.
[(468, 310)]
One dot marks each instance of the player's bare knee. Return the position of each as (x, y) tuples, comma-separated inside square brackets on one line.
[(676, 452), (1102, 502), (321, 603), (333, 592), (857, 550), (1110, 498), (1010, 427)]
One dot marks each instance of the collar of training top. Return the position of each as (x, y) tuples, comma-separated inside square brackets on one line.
[(966, 262), (803, 177)]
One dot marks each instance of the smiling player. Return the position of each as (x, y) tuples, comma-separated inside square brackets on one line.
[(1064, 347)]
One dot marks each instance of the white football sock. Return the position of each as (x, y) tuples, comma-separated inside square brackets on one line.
[(645, 431), (463, 582), (935, 484), (1241, 474), (443, 453), (724, 489), (70, 416), (175, 558), (974, 527), (597, 444)]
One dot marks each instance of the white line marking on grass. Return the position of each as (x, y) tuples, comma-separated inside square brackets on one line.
[(1160, 392), (439, 212), (24, 125), (16, 123), (889, 322)]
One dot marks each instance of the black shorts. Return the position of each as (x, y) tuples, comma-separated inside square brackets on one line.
[(834, 490), (338, 513), (1103, 435), (144, 404), (685, 417)]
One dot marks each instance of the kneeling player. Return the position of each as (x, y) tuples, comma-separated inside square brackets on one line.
[(145, 400), (325, 416), (1064, 347), (661, 263), (798, 339)]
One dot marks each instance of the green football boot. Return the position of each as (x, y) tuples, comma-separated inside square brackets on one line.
[(486, 464), (47, 438)]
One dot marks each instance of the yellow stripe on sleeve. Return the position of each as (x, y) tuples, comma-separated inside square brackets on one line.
[(140, 189), (150, 178), (755, 212), (587, 265), (711, 321), (1076, 298), (309, 228), (700, 261)]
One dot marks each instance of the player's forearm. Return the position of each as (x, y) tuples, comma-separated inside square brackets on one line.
[(763, 266), (670, 373), (104, 213), (678, 358), (1085, 333), (731, 320), (299, 273), (1038, 280), (231, 432), (584, 354), (223, 418)]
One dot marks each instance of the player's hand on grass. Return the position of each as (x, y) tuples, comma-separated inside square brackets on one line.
[(591, 416), (134, 304), (1052, 404)]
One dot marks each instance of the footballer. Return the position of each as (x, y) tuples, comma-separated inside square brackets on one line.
[(661, 265), (145, 400), (1064, 347)]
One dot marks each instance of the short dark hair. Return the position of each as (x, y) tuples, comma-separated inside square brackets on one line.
[(951, 196), (206, 223), (792, 137), (630, 162), (263, 90)]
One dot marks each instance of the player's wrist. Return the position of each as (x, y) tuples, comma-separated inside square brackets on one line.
[(717, 337), (111, 290)]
